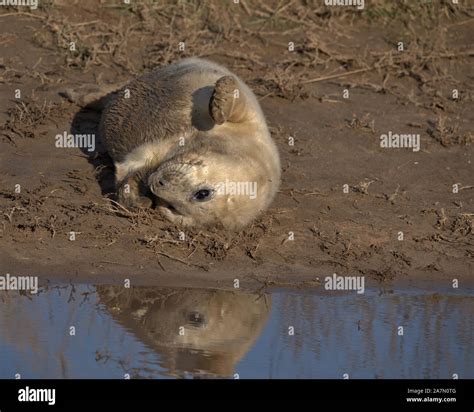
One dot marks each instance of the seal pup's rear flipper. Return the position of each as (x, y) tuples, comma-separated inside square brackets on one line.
[(94, 97)]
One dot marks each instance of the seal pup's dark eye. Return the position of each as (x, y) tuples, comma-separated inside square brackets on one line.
[(203, 195), (196, 319)]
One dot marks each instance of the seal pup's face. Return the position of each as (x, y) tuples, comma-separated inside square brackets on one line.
[(208, 190)]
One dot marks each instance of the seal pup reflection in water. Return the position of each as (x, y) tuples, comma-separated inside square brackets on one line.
[(192, 139), (201, 332)]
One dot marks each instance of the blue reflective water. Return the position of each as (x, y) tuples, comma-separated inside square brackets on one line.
[(86, 331)]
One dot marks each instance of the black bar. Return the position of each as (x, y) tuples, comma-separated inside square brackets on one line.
[(87, 393)]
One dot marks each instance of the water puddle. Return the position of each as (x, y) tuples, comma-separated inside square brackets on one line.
[(105, 331)]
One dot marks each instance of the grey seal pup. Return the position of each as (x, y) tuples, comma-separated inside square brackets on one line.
[(192, 138)]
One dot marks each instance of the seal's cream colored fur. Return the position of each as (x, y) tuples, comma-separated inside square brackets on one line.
[(183, 130)]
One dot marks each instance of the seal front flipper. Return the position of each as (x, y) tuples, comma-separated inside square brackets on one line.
[(228, 102), (131, 192)]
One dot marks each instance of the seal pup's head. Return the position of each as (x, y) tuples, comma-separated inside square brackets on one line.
[(212, 189)]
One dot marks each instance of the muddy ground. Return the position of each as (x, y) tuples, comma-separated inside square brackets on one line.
[(343, 197)]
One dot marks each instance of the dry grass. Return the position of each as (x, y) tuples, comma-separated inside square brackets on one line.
[(27, 115), (449, 135), (139, 37)]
